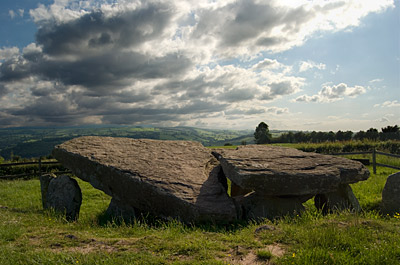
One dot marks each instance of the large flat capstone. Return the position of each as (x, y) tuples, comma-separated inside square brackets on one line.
[(178, 179), (280, 171)]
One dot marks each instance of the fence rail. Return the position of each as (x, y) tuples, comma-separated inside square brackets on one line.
[(374, 153), (40, 163)]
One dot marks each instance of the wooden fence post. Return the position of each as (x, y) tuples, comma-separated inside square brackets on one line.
[(374, 160), (40, 166)]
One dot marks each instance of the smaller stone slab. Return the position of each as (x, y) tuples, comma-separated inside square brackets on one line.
[(391, 195), (280, 171)]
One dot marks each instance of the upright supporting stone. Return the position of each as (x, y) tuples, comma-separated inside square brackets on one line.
[(257, 207), (44, 185), (64, 195), (119, 210), (391, 195), (341, 199)]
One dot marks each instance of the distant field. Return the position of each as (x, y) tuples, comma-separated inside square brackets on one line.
[(36, 142)]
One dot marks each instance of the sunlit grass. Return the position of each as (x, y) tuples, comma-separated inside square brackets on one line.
[(30, 235)]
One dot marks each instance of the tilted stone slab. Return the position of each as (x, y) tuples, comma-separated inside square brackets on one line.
[(280, 171), (178, 179), (391, 195)]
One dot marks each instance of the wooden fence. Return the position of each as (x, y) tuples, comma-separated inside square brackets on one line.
[(40, 163), (40, 171), (374, 153)]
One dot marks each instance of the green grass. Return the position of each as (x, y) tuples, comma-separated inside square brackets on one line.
[(29, 235), (264, 254)]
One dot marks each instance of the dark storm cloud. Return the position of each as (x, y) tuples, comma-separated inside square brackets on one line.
[(158, 113), (77, 52), (14, 69), (238, 94), (96, 30), (112, 68), (270, 41), (151, 62), (46, 107), (251, 111), (251, 21), (223, 87), (192, 88), (195, 106), (282, 88), (8, 120), (3, 90)]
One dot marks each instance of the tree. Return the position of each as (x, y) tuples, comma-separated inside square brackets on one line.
[(372, 134), (262, 135), (391, 129), (390, 133), (360, 135)]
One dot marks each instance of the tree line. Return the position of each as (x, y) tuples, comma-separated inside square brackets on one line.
[(263, 136)]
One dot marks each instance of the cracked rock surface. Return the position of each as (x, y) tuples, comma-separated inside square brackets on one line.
[(178, 179), (280, 171)]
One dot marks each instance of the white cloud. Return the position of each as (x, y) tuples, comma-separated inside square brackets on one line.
[(21, 12), (377, 80), (388, 104), (268, 63), (305, 66), (333, 93), (8, 53), (152, 61), (12, 14), (384, 119)]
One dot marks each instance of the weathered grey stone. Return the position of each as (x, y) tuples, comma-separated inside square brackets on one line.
[(258, 207), (277, 171), (391, 195), (44, 185), (119, 210), (178, 179), (65, 196), (341, 199)]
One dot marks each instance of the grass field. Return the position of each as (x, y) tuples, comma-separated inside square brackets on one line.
[(29, 235)]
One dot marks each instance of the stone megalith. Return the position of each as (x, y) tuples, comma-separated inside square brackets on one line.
[(172, 179), (391, 195), (64, 195), (121, 211), (341, 199), (283, 178), (44, 185)]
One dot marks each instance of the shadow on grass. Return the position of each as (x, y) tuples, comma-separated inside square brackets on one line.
[(149, 220), (373, 206)]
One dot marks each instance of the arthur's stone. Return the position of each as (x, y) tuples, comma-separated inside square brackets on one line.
[(178, 179)]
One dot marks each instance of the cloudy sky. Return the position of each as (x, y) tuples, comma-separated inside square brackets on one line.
[(300, 65)]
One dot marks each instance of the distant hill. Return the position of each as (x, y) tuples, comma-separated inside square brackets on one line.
[(30, 142)]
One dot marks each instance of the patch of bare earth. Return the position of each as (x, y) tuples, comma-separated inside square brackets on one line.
[(84, 246), (243, 257)]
